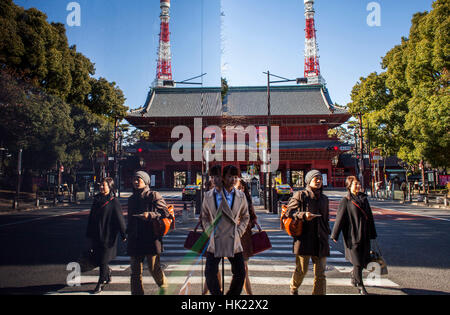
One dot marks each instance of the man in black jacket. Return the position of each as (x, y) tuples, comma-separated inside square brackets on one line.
[(311, 207), (145, 208)]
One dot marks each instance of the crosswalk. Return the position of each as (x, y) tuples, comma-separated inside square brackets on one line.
[(270, 272)]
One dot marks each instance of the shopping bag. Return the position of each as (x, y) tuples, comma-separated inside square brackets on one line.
[(260, 241), (377, 257), (196, 241), (88, 260)]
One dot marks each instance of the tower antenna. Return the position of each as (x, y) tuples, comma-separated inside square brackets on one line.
[(312, 67), (164, 67)]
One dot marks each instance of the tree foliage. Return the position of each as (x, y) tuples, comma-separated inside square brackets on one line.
[(52, 106), (408, 105)]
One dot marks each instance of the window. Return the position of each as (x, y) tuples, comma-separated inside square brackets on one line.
[(179, 179)]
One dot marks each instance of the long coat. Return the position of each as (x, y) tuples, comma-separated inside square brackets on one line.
[(225, 238), (105, 222), (357, 227), (314, 238), (143, 239)]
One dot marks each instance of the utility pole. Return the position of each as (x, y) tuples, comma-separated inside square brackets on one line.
[(19, 173), (269, 143), (361, 147), (115, 145), (269, 140)]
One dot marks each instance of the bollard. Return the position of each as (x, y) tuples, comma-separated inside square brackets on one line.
[(279, 208), (183, 213), (191, 210)]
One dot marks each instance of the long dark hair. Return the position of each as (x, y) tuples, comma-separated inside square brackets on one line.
[(348, 184), (111, 185), (246, 191)]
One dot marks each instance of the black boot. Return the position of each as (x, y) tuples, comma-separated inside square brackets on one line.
[(362, 289), (99, 287), (108, 280)]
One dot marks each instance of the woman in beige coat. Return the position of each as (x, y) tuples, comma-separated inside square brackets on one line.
[(225, 216)]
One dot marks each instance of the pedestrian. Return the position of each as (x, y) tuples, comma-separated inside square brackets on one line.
[(215, 175), (246, 239), (311, 206), (225, 214), (389, 189), (355, 220), (145, 208), (404, 189), (105, 222), (378, 189)]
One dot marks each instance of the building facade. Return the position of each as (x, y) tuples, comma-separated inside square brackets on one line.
[(302, 115)]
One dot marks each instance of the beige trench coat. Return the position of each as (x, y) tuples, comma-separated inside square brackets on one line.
[(225, 239)]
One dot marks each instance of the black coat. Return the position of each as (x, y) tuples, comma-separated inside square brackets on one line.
[(105, 222), (357, 227), (314, 239), (143, 239)]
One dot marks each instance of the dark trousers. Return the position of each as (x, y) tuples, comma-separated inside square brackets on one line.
[(357, 275), (237, 268), (103, 259)]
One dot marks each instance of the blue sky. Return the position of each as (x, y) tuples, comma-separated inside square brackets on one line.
[(121, 38)]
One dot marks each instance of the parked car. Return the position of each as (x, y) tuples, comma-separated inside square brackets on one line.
[(189, 192), (284, 192)]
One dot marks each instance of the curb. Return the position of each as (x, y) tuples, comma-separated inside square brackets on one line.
[(59, 205)]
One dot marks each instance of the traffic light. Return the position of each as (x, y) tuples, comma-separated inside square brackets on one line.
[(139, 150), (333, 148)]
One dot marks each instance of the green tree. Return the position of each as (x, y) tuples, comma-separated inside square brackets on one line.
[(51, 105), (38, 123), (224, 85), (106, 99), (407, 106)]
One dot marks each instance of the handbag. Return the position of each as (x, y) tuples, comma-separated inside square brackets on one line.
[(260, 241), (196, 241), (377, 257), (88, 260), (163, 226), (292, 226)]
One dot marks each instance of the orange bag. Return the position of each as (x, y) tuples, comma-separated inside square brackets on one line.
[(292, 227), (168, 224)]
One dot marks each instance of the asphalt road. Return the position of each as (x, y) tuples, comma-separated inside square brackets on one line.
[(38, 246)]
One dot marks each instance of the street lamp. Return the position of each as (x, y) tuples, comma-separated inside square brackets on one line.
[(269, 144)]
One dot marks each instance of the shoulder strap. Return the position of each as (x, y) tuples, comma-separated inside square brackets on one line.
[(304, 199), (364, 212), (149, 198), (104, 205)]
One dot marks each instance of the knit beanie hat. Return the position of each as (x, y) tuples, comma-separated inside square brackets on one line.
[(144, 176), (310, 175)]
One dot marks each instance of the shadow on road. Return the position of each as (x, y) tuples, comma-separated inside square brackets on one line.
[(32, 290)]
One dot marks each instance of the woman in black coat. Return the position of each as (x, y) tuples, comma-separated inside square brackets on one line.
[(106, 221), (355, 220)]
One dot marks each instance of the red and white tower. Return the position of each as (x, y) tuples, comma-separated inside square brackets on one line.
[(312, 68), (164, 68)]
